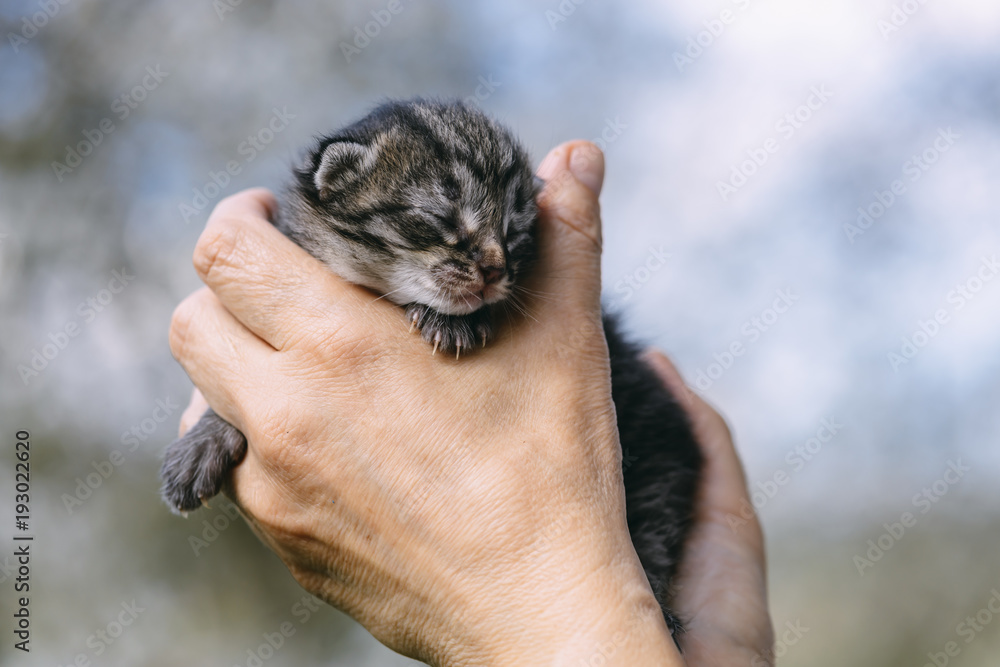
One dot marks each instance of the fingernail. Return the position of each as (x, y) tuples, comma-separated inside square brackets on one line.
[(586, 162)]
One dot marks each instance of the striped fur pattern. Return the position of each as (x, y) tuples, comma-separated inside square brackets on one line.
[(431, 204)]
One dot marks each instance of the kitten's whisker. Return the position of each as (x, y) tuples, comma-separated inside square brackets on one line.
[(521, 308), (387, 294), (535, 294)]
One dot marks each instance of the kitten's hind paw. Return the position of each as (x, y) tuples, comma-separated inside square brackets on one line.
[(450, 333), (195, 466)]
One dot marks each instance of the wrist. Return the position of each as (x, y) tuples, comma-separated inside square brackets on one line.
[(575, 613)]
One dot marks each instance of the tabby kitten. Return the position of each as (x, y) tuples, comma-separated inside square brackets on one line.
[(433, 205)]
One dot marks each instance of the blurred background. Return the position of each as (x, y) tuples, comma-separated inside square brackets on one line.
[(812, 185)]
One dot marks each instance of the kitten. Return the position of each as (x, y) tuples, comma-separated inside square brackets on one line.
[(433, 205)]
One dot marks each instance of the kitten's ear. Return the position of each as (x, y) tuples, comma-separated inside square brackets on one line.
[(343, 162)]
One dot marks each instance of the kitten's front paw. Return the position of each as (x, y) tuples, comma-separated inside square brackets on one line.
[(196, 465), (451, 333)]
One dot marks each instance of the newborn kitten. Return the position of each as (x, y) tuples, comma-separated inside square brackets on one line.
[(433, 205)]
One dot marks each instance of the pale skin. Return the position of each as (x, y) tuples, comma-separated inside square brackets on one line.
[(465, 512)]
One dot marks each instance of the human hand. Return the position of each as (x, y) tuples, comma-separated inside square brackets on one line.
[(723, 577), (722, 583), (465, 512)]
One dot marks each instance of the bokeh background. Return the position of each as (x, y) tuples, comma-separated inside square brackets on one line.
[(154, 97)]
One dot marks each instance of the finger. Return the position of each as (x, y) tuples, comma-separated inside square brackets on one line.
[(193, 412), (569, 227), (271, 285), (722, 581), (217, 352), (723, 495), (726, 484)]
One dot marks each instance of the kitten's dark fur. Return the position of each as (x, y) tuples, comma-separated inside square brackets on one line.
[(433, 205)]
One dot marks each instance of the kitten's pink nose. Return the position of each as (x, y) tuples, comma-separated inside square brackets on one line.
[(491, 274)]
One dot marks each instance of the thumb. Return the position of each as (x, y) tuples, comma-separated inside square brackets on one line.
[(569, 227)]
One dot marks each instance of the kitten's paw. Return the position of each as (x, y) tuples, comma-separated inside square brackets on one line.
[(195, 466), (450, 333)]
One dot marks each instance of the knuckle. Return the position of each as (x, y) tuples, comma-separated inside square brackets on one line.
[(279, 438), (571, 205), (217, 247), (180, 326)]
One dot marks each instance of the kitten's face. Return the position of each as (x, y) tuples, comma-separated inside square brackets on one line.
[(437, 203)]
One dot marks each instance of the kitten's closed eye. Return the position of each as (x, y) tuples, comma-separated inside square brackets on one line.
[(464, 237)]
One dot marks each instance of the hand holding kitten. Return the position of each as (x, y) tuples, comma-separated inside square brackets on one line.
[(466, 513)]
